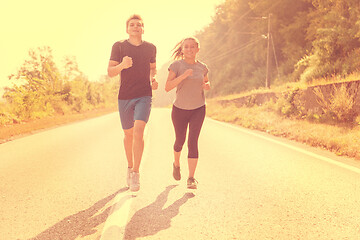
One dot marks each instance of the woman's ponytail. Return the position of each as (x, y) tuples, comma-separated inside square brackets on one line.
[(177, 50)]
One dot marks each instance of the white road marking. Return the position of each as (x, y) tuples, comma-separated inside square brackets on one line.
[(118, 217), (314, 155), (115, 224)]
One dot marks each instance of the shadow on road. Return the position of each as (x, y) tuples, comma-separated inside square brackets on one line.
[(153, 218), (80, 224)]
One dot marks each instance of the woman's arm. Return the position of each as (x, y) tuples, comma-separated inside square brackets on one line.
[(173, 81)]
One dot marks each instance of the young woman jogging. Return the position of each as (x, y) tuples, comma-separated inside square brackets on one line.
[(190, 78)]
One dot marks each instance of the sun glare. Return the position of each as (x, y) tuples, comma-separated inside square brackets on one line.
[(87, 30)]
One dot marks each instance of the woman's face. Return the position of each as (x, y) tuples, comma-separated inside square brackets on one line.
[(190, 48)]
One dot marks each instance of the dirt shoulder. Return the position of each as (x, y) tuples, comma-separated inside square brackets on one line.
[(13, 131)]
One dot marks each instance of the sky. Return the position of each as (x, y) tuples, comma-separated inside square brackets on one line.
[(88, 29)]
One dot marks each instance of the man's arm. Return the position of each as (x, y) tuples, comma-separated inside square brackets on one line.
[(154, 83), (115, 68)]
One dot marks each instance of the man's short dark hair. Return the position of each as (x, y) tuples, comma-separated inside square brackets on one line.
[(134, 16)]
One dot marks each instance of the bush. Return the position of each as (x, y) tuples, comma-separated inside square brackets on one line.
[(339, 106), (286, 104)]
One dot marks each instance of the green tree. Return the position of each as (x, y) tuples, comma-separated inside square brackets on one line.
[(235, 45), (37, 86), (309, 39), (39, 72), (334, 34)]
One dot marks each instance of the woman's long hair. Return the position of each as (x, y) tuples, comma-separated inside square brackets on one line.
[(177, 50)]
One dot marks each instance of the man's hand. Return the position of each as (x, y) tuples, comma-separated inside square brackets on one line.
[(154, 84), (127, 62)]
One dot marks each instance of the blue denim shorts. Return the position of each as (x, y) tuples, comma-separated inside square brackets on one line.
[(134, 109)]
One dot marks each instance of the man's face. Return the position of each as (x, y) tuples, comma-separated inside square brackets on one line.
[(135, 27)]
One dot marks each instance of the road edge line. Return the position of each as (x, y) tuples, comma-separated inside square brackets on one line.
[(325, 159)]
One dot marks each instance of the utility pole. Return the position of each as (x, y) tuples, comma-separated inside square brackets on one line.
[(267, 81)]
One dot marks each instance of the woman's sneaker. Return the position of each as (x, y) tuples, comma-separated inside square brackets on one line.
[(192, 183), (128, 176), (135, 182), (176, 173)]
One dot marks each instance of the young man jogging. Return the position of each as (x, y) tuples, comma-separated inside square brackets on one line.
[(135, 61)]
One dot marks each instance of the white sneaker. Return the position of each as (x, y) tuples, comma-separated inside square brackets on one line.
[(135, 181), (128, 176)]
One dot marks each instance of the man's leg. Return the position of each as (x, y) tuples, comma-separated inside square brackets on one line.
[(138, 143), (128, 145), (126, 111), (138, 148), (141, 116)]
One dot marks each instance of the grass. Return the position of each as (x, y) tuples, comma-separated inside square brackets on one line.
[(342, 140)]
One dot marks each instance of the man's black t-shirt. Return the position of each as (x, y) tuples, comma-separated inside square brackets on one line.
[(135, 81)]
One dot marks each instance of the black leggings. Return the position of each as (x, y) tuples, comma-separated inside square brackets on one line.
[(181, 119)]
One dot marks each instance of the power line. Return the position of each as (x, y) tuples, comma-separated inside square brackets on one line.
[(233, 50), (228, 31), (249, 33), (217, 43), (236, 50)]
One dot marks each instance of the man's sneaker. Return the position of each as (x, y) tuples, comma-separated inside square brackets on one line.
[(176, 173), (128, 176), (192, 183), (135, 181)]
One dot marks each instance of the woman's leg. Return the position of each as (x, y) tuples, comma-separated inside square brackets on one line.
[(195, 124), (177, 158), (192, 163), (180, 122)]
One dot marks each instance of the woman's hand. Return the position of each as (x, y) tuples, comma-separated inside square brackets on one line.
[(206, 86), (172, 81), (206, 83), (188, 73)]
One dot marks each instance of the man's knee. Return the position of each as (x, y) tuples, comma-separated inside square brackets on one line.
[(139, 129), (128, 134), (138, 135)]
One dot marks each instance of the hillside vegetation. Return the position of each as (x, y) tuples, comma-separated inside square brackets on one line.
[(305, 39)]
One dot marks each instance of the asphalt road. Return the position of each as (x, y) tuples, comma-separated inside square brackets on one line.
[(68, 183)]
